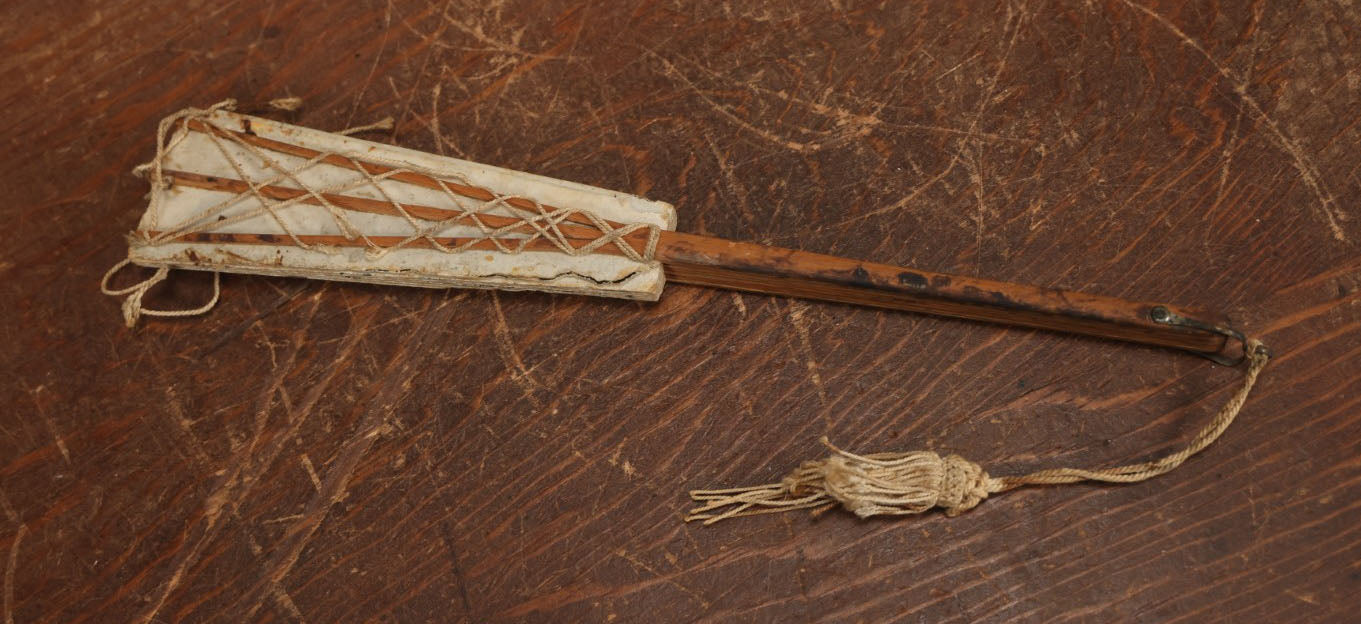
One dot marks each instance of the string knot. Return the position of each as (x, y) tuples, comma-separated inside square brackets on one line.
[(963, 486), (132, 305)]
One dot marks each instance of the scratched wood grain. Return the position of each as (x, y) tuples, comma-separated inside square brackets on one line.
[(326, 452)]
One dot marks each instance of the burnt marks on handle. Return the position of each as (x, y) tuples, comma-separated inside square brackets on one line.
[(914, 280)]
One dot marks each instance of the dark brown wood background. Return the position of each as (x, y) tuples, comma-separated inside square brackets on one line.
[(314, 451)]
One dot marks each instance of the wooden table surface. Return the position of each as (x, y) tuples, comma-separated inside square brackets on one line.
[(320, 452)]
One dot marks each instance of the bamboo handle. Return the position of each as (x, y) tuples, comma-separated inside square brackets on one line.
[(709, 261)]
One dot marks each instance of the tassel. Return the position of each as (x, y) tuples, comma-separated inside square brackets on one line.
[(918, 481), (866, 485)]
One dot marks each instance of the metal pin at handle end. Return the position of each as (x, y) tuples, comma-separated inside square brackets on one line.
[(1162, 315)]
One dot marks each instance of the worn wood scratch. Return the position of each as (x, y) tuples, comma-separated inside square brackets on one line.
[(10, 569), (51, 426), (1304, 164), (505, 346)]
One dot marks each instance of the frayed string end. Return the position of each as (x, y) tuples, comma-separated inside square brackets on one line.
[(286, 104), (385, 124)]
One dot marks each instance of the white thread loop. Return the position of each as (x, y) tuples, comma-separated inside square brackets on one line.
[(132, 305)]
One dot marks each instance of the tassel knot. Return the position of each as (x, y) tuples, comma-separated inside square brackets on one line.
[(964, 485)]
